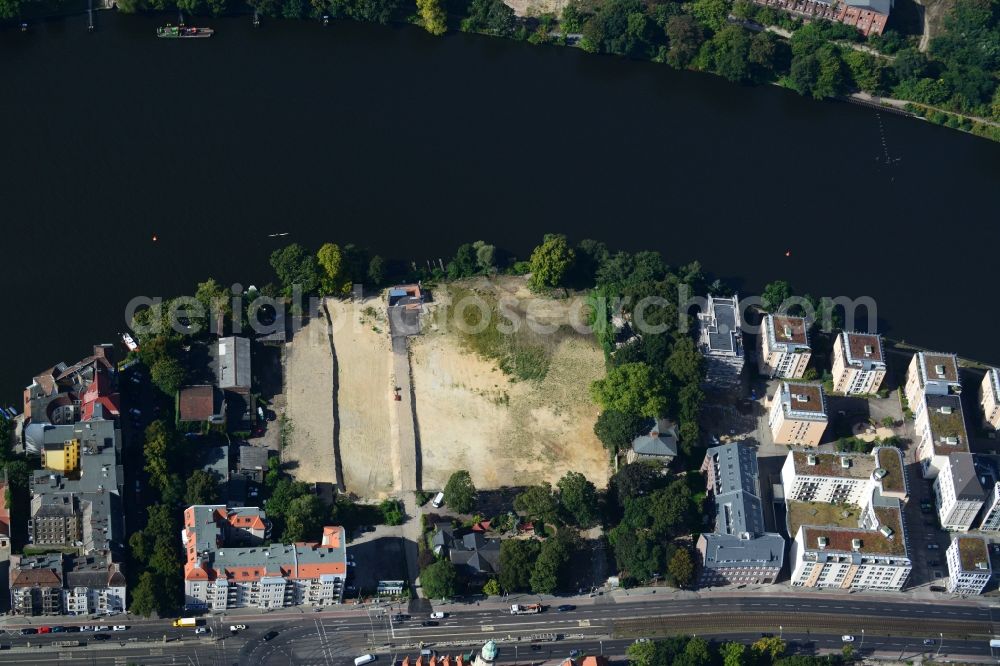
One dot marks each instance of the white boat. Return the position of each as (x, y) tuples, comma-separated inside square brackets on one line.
[(130, 342)]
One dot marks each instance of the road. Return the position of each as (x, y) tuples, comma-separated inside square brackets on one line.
[(335, 637)]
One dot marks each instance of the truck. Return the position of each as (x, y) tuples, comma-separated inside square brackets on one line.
[(525, 609), (185, 622)]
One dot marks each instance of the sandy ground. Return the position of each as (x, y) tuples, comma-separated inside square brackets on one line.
[(364, 360), (506, 433), (308, 391), (536, 7)]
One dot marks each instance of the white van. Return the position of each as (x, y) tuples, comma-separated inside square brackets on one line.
[(364, 659), (438, 500)]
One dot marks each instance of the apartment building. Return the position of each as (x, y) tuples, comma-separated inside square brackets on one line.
[(843, 478), (939, 425), (930, 373), (57, 584), (989, 398), (797, 415), (230, 566), (991, 515), (858, 363), (720, 340), (784, 347), (739, 551), (958, 494), (66, 394), (868, 16), (969, 569), (868, 553)]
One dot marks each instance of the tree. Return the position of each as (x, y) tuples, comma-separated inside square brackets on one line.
[(168, 375), (711, 13), (439, 580), (491, 588), (620, 27), (433, 15), (213, 296), (617, 430), (910, 64), (331, 264), (635, 480), (637, 553), (159, 451), (578, 497), (686, 37), (460, 492), (376, 270), (641, 653), (485, 255), (296, 267), (685, 363), (538, 502), (164, 560), (464, 264), (804, 74), (681, 568), (768, 647), (202, 488), (550, 262), (671, 509), (631, 388), (304, 519), (728, 52), (517, 559), (392, 512), (549, 570), (144, 595), (775, 295), (733, 654), (489, 16), (140, 546)]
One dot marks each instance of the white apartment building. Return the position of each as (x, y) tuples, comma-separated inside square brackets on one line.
[(958, 494), (858, 364), (969, 567), (784, 347), (989, 398), (939, 424), (991, 515), (869, 556), (931, 374)]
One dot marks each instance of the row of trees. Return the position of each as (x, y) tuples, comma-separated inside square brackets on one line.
[(694, 651), (331, 271), (573, 502)]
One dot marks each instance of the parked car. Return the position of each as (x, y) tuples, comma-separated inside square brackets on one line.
[(237, 627), (438, 501), (29, 631), (201, 630), (103, 627), (58, 630), (933, 546), (101, 637), (566, 607), (270, 635), (929, 641), (438, 615), (847, 638), (936, 588), (119, 627), (45, 630)]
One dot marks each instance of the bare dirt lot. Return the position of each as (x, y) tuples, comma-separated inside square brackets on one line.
[(364, 360), (507, 432), (308, 394)]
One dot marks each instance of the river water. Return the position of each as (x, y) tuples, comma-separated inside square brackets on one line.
[(408, 144)]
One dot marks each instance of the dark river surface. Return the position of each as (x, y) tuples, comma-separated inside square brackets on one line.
[(410, 145)]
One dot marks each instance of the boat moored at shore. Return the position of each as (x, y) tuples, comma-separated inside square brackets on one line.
[(183, 32)]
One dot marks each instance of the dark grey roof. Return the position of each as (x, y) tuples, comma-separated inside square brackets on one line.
[(661, 440), (725, 551), (720, 332), (965, 479), (476, 552), (253, 457)]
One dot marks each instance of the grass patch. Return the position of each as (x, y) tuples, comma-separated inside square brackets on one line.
[(485, 330), (821, 514)]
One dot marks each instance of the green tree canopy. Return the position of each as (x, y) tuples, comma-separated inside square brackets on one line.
[(304, 519), (517, 559), (460, 492), (551, 261), (631, 388), (168, 374), (331, 264), (775, 295), (294, 266), (578, 497), (538, 502), (492, 17), (202, 488), (617, 430), (439, 580), (681, 568), (144, 595), (550, 567), (433, 16)]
